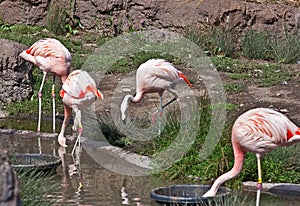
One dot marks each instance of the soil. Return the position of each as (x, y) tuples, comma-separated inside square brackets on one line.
[(282, 97)]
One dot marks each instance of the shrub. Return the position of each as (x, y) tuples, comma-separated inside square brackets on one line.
[(286, 50), (56, 18), (224, 42), (256, 45)]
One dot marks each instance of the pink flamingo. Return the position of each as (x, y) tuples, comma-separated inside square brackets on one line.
[(259, 131), (78, 92), (50, 56), (155, 75)]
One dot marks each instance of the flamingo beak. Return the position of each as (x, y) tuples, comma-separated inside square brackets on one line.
[(100, 95)]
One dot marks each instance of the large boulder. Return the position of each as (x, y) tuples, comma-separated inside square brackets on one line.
[(15, 73)]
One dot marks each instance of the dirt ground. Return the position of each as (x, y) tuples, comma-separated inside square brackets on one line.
[(284, 97)]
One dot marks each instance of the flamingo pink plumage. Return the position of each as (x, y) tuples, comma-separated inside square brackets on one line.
[(155, 75), (78, 92), (259, 131), (50, 56)]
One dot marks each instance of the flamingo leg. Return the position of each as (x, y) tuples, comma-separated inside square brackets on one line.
[(53, 103), (160, 102), (77, 124), (160, 111), (40, 102), (259, 181), (169, 102)]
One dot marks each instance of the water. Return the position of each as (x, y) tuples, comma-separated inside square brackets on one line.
[(102, 186)]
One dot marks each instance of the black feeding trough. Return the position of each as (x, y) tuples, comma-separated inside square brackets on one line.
[(29, 161), (187, 195)]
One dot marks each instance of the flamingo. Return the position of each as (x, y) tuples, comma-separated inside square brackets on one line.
[(259, 131), (78, 92), (50, 56), (154, 76)]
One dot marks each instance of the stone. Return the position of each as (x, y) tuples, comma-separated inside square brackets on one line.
[(112, 17), (9, 185), (3, 114), (33, 12), (15, 73)]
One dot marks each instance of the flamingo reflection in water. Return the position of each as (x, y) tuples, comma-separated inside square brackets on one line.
[(69, 171)]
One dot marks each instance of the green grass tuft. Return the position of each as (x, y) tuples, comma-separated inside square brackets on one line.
[(256, 45), (35, 187)]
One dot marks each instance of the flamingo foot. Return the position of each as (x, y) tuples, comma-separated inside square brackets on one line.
[(153, 118), (80, 130), (154, 115), (62, 141), (74, 128)]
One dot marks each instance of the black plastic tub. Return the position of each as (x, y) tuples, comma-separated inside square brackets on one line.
[(188, 195), (27, 161)]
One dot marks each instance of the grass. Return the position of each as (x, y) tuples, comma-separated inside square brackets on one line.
[(278, 166), (131, 63), (236, 62), (265, 74), (212, 40), (286, 50), (232, 88), (35, 186), (256, 45), (30, 106), (56, 17)]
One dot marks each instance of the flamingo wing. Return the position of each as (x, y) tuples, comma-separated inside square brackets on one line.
[(49, 55), (262, 130), (155, 75), (79, 83), (163, 70)]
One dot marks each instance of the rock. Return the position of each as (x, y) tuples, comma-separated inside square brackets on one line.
[(3, 114), (33, 12), (15, 73), (113, 17), (9, 186), (278, 189)]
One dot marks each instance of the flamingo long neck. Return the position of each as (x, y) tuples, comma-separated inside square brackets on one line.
[(237, 167), (64, 77), (125, 102)]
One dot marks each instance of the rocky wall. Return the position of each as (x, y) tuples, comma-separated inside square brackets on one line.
[(110, 17)]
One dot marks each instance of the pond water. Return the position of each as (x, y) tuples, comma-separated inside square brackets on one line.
[(102, 186)]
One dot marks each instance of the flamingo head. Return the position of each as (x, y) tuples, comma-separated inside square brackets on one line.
[(62, 141), (124, 106)]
